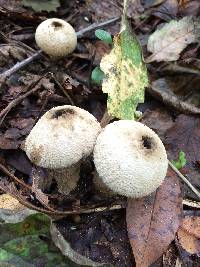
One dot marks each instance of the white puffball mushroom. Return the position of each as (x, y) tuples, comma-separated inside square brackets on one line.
[(56, 37), (130, 158), (61, 138)]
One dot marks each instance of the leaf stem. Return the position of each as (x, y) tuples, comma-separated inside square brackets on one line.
[(184, 179)]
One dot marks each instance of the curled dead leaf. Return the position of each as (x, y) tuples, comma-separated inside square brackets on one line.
[(153, 221), (189, 234)]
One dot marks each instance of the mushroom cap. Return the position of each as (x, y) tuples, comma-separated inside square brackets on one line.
[(130, 158), (56, 37), (62, 136)]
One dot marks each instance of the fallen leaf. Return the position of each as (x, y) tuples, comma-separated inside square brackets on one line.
[(165, 90), (42, 5), (184, 136), (106, 10), (21, 123), (125, 74), (6, 143), (67, 250), (159, 120), (19, 161), (16, 216), (101, 50), (153, 221), (12, 133), (167, 43), (167, 10), (8, 52), (190, 8), (153, 3), (9, 202), (27, 242), (189, 234)]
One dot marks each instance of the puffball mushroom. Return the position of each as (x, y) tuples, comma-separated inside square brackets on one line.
[(56, 37), (59, 140), (130, 158)]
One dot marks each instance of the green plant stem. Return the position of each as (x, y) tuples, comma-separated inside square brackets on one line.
[(184, 179)]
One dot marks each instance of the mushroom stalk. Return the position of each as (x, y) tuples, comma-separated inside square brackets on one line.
[(100, 187), (59, 141), (66, 178)]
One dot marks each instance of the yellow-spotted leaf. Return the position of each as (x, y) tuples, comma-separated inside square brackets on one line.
[(125, 74)]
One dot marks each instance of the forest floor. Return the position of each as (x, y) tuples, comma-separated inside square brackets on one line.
[(89, 229)]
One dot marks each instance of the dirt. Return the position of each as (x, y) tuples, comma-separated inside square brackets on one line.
[(100, 236)]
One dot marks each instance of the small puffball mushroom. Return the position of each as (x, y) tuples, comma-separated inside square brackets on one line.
[(56, 37), (60, 139), (130, 158)]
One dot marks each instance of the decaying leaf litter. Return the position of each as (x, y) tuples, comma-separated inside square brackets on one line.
[(94, 232)]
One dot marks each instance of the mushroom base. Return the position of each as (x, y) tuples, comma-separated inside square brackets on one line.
[(100, 187), (66, 178)]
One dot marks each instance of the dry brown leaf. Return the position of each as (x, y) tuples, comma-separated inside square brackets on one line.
[(167, 43), (6, 143), (159, 120), (189, 234), (9, 202), (167, 10), (184, 136), (153, 221)]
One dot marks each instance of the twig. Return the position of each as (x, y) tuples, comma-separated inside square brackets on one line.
[(63, 90), (16, 101), (43, 105), (15, 193), (13, 177), (191, 203), (20, 65), (39, 53), (95, 26), (185, 180)]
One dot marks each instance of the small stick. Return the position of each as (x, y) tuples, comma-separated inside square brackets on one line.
[(13, 177), (14, 192), (191, 203), (39, 53), (95, 26), (20, 65), (63, 90), (15, 102), (185, 180)]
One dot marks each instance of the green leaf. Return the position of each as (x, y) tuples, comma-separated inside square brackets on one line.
[(42, 5), (104, 36), (97, 76), (28, 243), (180, 163), (125, 74)]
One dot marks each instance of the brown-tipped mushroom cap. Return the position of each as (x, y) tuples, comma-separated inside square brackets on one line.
[(56, 37), (62, 137), (130, 158)]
